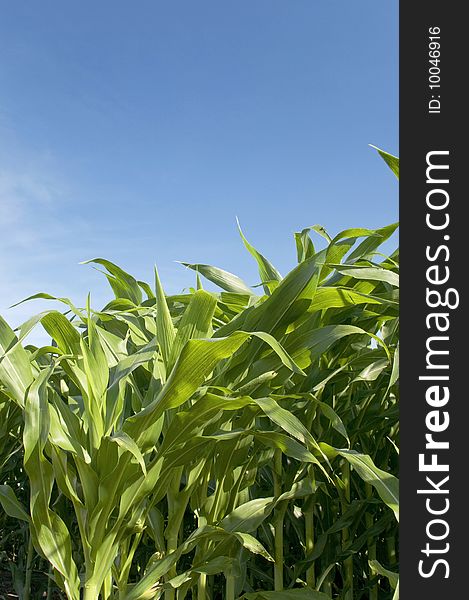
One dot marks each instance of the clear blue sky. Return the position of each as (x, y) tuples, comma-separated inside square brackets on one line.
[(138, 131)]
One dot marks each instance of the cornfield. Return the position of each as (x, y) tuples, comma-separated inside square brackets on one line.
[(210, 445)]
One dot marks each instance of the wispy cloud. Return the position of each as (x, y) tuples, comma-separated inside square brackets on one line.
[(33, 229), (44, 236)]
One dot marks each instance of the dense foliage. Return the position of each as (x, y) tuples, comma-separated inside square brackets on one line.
[(210, 445)]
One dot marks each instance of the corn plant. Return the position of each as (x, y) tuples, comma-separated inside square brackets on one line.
[(213, 444)]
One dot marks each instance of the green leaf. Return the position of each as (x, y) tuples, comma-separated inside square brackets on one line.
[(317, 341), (391, 160), (339, 297), (227, 281), (385, 484), (372, 242), (126, 442), (123, 284), (373, 273), (247, 517), (11, 505), (334, 418), (95, 364), (300, 489), (15, 369), (287, 445), (304, 245), (127, 365), (392, 577), (286, 420), (267, 272), (253, 545), (164, 324), (395, 367), (64, 430), (62, 332), (195, 323), (278, 349)]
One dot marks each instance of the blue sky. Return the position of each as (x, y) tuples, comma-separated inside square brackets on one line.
[(138, 131)]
